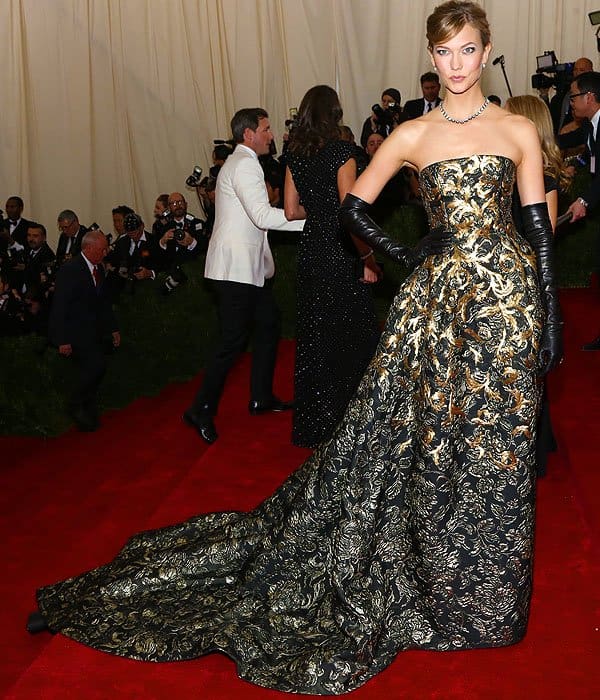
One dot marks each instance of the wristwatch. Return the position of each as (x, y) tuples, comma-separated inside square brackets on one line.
[(581, 200)]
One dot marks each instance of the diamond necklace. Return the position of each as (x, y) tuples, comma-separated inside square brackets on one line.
[(447, 117)]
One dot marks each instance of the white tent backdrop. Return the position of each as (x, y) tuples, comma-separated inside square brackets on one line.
[(110, 102)]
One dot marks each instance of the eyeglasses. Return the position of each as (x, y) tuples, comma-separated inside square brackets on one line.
[(577, 94), (177, 203)]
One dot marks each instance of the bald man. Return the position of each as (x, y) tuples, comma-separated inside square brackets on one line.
[(82, 324), (181, 235)]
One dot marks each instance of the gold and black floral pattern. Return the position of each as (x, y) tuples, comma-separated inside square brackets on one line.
[(411, 528)]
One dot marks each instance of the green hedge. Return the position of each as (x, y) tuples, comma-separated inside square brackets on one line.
[(166, 338)]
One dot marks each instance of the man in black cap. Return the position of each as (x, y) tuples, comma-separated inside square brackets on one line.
[(135, 255)]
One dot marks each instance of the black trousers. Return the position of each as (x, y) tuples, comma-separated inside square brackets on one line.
[(91, 363), (243, 309)]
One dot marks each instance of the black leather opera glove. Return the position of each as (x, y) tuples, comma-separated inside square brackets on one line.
[(538, 231), (354, 217)]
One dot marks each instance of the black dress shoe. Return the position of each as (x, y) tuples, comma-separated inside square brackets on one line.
[(594, 345), (36, 622), (203, 424), (275, 405)]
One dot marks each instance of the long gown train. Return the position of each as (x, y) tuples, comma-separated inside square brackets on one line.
[(411, 528)]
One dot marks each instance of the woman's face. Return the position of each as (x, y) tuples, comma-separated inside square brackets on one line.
[(459, 60), (387, 100)]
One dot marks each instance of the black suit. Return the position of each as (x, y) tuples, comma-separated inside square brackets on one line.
[(63, 244), (82, 316), (35, 265), (174, 254), (584, 136), (581, 137), (19, 233), (415, 108), (146, 253)]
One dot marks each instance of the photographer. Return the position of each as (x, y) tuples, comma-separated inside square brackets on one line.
[(384, 118), (118, 216), (181, 235), (206, 195), (12, 259), (71, 235), (161, 209), (135, 255), (221, 152), (39, 257)]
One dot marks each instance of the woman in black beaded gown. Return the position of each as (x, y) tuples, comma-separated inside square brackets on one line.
[(413, 526), (336, 326)]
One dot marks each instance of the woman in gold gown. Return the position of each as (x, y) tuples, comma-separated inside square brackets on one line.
[(413, 526)]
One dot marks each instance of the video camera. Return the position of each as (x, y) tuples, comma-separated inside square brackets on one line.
[(551, 73)]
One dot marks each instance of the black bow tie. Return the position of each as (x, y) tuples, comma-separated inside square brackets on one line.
[(13, 223)]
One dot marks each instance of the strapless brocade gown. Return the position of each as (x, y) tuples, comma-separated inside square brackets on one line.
[(411, 528)]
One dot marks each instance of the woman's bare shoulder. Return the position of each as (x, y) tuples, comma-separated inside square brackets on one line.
[(406, 137), (509, 121)]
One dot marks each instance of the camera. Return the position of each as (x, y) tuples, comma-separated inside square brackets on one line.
[(292, 122), (386, 116), (16, 256), (176, 277), (179, 232), (47, 273), (208, 183), (551, 73), (193, 180)]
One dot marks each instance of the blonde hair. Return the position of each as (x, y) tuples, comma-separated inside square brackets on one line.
[(447, 20), (537, 111)]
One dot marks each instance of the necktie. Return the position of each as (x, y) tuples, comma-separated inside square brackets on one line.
[(96, 274), (429, 107)]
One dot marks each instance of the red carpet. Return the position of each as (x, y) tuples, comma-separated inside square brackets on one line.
[(69, 503)]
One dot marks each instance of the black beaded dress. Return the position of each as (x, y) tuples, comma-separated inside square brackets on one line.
[(336, 325), (411, 528)]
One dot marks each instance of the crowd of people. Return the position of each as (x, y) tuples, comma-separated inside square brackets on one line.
[(29, 266)]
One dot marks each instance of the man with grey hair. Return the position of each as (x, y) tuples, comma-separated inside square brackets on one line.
[(71, 235), (82, 324)]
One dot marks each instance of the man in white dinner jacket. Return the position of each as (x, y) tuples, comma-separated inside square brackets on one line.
[(240, 263)]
